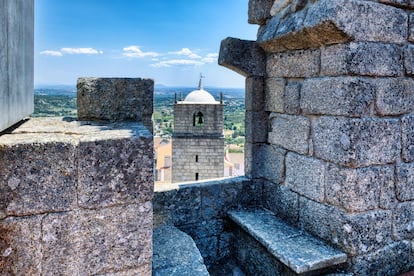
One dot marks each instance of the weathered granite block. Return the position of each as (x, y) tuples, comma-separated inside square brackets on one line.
[(115, 99), (282, 96), (255, 96), (403, 221), (294, 64), (212, 201), (242, 56), (295, 249), (395, 96), (226, 245), (114, 171), (250, 159), (328, 217), (364, 58), (266, 33), (251, 195), (305, 176), (356, 142), (259, 11), (114, 163), (37, 174), (361, 20), (357, 190), (292, 97), (256, 126), (175, 253), (354, 233), (407, 126), (346, 96), (279, 5), (398, 3), (404, 186), (42, 175), (20, 250), (394, 259), (388, 198), (411, 28), (98, 241), (204, 228), (366, 232), (269, 162), (290, 132), (291, 24), (208, 248), (285, 7), (275, 93), (254, 258), (217, 197), (332, 22), (409, 59), (180, 207), (285, 32), (281, 201)]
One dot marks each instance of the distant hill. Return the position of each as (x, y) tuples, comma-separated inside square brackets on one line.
[(159, 91), (55, 90), (215, 91)]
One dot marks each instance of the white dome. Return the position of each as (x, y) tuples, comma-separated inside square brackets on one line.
[(200, 96)]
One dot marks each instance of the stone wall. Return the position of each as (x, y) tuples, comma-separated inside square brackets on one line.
[(329, 123), (75, 196), (203, 156), (16, 60), (200, 210)]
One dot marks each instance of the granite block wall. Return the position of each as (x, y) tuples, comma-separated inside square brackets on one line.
[(332, 143), (200, 210), (201, 156), (16, 61)]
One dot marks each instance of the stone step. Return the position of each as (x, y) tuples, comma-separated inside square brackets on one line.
[(298, 251), (175, 254)]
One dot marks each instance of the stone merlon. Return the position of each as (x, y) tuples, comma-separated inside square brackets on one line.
[(242, 56)]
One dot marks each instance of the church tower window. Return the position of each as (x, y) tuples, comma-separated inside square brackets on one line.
[(198, 119)]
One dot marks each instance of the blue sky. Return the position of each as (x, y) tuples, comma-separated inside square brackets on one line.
[(171, 41)]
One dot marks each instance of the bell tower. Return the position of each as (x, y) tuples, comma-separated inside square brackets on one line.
[(198, 141)]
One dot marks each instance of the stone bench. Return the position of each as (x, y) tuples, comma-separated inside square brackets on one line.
[(175, 253), (292, 248)]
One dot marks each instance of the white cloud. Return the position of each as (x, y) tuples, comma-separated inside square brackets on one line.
[(81, 51), (135, 52), (210, 58), (51, 53), (185, 52), (177, 62)]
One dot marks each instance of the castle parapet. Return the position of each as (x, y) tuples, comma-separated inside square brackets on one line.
[(75, 196)]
